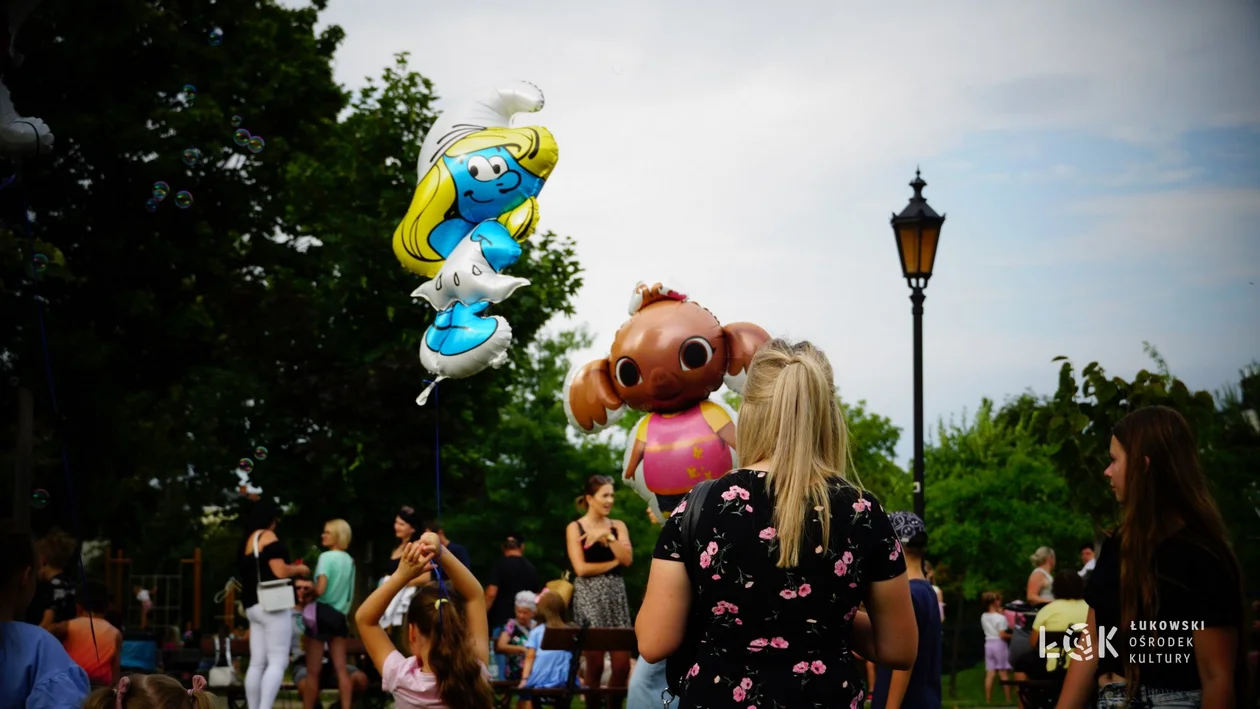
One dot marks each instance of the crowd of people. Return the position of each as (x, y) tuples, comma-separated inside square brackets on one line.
[(781, 584)]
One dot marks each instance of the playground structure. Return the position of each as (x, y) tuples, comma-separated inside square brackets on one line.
[(165, 590)]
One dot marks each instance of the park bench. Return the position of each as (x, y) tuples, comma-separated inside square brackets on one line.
[(373, 697), (576, 641)]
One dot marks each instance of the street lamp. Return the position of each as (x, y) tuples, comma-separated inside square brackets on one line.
[(917, 230)]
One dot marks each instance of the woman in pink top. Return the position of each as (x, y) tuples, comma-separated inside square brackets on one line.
[(447, 631)]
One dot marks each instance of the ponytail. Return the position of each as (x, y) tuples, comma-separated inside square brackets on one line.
[(790, 416), (439, 616)]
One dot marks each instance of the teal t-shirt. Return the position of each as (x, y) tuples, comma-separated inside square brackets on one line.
[(339, 568)]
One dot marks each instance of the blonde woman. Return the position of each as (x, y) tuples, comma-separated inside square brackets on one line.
[(334, 589), (784, 552), (1041, 581)]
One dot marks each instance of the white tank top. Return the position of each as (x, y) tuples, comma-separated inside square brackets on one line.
[(1047, 591)]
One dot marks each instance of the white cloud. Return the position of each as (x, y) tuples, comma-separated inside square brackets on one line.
[(755, 150)]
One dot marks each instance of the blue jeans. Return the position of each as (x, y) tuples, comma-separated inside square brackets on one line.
[(1112, 696), (647, 683)]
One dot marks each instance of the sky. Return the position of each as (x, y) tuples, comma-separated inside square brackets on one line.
[(1098, 163)]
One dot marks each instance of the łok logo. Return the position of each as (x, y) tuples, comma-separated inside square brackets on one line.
[(1077, 643)]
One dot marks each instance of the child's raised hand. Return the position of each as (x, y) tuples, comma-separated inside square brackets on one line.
[(431, 543), (414, 560)]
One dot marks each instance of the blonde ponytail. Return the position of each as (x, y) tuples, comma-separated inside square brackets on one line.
[(789, 416)]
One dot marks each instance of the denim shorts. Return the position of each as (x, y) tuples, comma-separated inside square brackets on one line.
[(1112, 696)]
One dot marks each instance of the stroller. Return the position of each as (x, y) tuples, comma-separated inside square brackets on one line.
[(1041, 690)]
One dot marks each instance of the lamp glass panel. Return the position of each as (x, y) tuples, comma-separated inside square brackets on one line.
[(910, 250)]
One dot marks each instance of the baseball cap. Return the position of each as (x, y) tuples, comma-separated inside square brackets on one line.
[(906, 525)]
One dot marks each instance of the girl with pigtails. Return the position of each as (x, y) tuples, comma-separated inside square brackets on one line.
[(447, 632), (151, 692)]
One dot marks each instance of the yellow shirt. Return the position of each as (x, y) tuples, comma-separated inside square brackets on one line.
[(1053, 620), (714, 415)]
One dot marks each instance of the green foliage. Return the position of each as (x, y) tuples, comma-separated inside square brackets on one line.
[(995, 497), (149, 315), (1079, 418), (272, 312)]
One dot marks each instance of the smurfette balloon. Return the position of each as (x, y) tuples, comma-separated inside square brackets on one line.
[(473, 173)]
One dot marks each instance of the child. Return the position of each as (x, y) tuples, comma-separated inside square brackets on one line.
[(146, 604), (921, 685), (101, 656), (54, 602), (515, 635), (997, 654), (447, 631), (545, 669), (151, 692)]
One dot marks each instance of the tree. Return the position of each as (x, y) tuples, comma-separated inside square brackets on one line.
[(272, 312), (996, 497), (1079, 418), (143, 309)]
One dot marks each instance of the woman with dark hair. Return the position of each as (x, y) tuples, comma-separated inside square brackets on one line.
[(260, 557), (35, 670), (408, 526), (1167, 582), (599, 547)]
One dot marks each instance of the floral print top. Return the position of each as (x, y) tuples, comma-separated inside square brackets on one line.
[(779, 637)]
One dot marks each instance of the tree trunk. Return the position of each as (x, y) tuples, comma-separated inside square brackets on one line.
[(953, 652)]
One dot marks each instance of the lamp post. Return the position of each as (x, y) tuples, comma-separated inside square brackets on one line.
[(917, 230)]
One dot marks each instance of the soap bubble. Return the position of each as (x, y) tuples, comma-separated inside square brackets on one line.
[(241, 136), (40, 263), (246, 465), (190, 92), (237, 121), (260, 452), (216, 37), (256, 144), (151, 205), (183, 199), (160, 190), (40, 499), (192, 156)]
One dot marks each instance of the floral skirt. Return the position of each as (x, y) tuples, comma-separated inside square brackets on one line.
[(601, 601)]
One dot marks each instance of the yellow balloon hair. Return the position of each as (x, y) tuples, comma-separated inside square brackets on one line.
[(532, 147)]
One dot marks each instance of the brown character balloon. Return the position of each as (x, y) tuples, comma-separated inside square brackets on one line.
[(666, 360)]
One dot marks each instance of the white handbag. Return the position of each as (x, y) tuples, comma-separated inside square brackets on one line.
[(222, 676), (273, 595)]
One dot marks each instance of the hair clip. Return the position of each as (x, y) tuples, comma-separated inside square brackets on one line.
[(538, 600), (120, 691), (437, 605)]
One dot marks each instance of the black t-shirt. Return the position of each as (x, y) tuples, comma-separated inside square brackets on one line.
[(248, 569), (58, 594), (1195, 590), (512, 574)]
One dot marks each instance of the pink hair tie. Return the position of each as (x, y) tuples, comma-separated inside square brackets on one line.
[(198, 684), (545, 591), (120, 691)]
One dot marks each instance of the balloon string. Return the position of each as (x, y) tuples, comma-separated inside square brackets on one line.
[(437, 476), (52, 388)]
